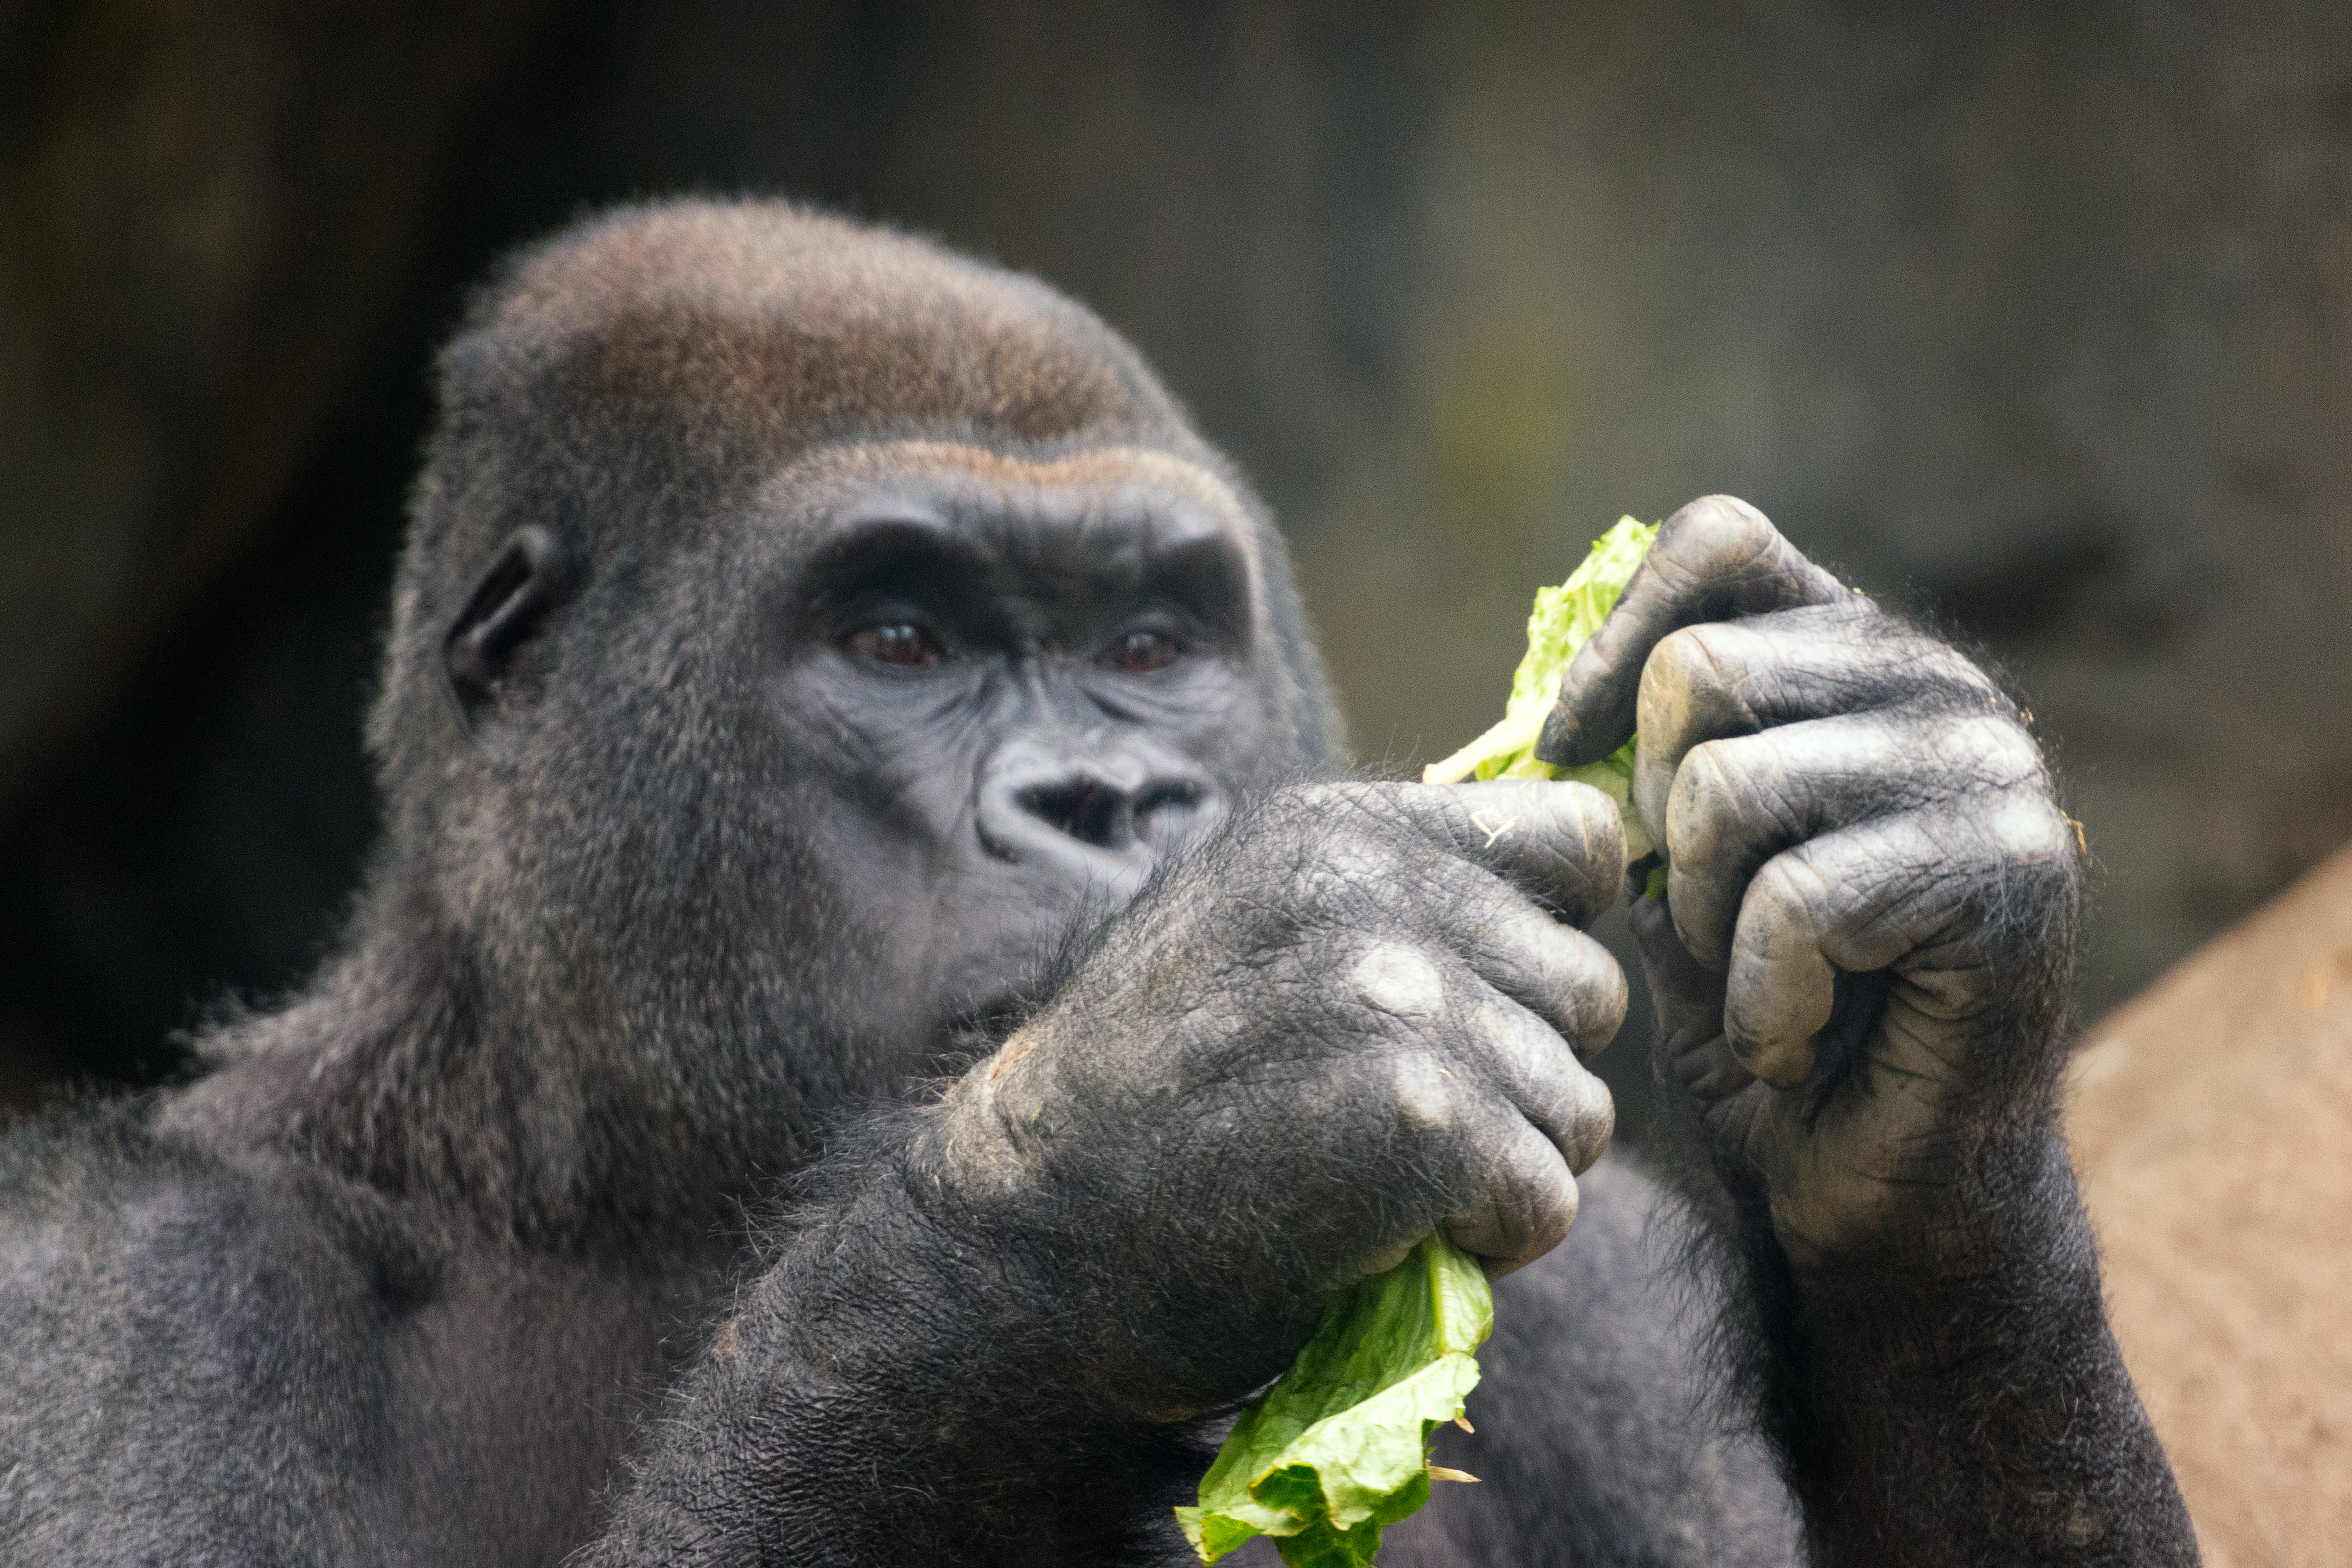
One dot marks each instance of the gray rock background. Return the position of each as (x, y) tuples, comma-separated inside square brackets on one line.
[(2034, 321)]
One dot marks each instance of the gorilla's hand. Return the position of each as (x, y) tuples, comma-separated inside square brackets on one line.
[(1871, 893), (1345, 1021)]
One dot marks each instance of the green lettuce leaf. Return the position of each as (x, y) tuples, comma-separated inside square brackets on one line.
[(1340, 1446), (1562, 619)]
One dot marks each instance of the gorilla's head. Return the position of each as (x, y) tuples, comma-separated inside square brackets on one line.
[(800, 628)]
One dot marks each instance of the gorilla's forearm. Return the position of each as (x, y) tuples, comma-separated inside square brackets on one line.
[(1979, 1418), (896, 1389)]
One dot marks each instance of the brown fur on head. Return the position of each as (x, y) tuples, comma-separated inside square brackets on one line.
[(633, 375)]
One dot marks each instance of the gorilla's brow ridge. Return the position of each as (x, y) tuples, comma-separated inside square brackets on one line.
[(1101, 466)]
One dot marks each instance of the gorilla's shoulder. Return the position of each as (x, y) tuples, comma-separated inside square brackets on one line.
[(79, 1162), (111, 1229), (161, 1303)]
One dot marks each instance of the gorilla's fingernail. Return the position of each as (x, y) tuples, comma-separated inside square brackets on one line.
[(1559, 737)]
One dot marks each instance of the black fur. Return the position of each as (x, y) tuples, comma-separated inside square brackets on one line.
[(688, 893)]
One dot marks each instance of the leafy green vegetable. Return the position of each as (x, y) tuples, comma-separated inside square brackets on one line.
[(1562, 619), (1340, 1446)]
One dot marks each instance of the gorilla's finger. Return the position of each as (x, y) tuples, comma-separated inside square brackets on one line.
[(1866, 897), (1691, 1055), (1733, 678), (1737, 803), (1560, 974), (1715, 560), (1781, 987), (1544, 1081), (1519, 1204), (1563, 845), (1687, 995)]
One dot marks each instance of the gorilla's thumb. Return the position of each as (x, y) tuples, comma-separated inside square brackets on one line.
[(1687, 995)]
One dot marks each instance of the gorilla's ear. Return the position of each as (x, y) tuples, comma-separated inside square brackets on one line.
[(532, 576)]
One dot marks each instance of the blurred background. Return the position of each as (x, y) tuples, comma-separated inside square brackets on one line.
[(2033, 320)]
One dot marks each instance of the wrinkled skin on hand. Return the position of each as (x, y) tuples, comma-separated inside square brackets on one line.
[(1871, 892), (1860, 970), (1351, 1018)]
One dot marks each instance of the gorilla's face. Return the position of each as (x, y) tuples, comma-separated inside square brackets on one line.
[(1015, 685), (834, 626)]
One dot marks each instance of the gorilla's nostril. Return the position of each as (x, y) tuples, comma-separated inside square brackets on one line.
[(1066, 798), (1180, 794), (1163, 810), (1087, 809)]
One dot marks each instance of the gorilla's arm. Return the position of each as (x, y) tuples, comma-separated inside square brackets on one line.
[(1862, 970), (996, 1332), (1594, 1441), (888, 1391)]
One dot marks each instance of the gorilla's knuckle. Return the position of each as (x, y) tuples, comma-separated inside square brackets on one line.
[(1914, 669), (1605, 995), (1695, 679), (1524, 1208), (1541, 1075), (1984, 751), (1509, 1047), (1968, 680), (1587, 1122), (1398, 980), (1789, 898), (1566, 853), (2026, 829), (1421, 1092), (1718, 536)]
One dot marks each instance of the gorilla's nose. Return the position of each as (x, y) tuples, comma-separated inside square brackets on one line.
[(1091, 801)]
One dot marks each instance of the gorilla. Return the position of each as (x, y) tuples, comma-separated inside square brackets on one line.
[(881, 1016)]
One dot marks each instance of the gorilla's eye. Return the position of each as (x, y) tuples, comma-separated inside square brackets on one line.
[(1140, 653), (899, 642)]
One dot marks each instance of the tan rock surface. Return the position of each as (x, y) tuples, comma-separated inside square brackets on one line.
[(2212, 1122)]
